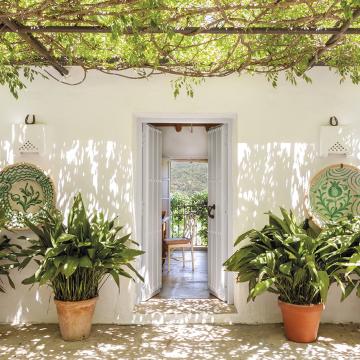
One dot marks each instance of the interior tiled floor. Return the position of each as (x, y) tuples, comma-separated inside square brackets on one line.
[(181, 282), (111, 342), (185, 291)]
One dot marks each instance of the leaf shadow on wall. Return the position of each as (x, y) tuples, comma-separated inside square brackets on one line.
[(103, 172), (270, 175)]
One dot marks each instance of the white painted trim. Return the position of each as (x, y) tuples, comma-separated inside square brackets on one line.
[(230, 120), (187, 158)]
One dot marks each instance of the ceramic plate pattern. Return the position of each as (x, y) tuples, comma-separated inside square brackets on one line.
[(334, 194), (24, 192)]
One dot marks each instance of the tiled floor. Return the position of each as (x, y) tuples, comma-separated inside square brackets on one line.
[(184, 293), (181, 282), (220, 342)]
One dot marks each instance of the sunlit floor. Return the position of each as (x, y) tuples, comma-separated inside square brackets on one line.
[(185, 291), (255, 342), (184, 306), (181, 282)]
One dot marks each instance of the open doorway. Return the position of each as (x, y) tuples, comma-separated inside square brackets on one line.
[(185, 197), (157, 173)]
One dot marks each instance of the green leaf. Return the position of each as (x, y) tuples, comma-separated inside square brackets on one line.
[(340, 283), (85, 262), (300, 277), (29, 280), (56, 251), (280, 224), (47, 275), (310, 264), (354, 262), (11, 283), (285, 268), (242, 237), (324, 283), (65, 237), (115, 276), (247, 276), (348, 290), (70, 265), (261, 287), (91, 253), (135, 271), (59, 260), (24, 263)]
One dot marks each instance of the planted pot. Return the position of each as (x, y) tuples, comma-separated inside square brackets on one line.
[(75, 259), (301, 322), (75, 318)]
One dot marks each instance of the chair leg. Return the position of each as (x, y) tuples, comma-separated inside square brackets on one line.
[(169, 256), (183, 254), (192, 259)]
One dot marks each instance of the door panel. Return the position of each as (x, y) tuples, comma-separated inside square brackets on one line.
[(218, 195), (151, 211)]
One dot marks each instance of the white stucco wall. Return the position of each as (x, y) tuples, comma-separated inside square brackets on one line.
[(91, 148)]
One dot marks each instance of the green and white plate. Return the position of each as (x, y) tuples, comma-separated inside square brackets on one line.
[(25, 191), (334, 194)]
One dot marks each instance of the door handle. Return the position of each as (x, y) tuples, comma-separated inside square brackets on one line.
[(210, 209)]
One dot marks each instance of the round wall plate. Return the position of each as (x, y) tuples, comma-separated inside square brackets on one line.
[(25, 192), (334, 194)]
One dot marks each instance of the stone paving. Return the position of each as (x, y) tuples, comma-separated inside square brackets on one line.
[(181, 306), (255, 342)]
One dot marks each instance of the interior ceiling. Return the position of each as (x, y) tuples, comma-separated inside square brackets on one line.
[(179, 126)]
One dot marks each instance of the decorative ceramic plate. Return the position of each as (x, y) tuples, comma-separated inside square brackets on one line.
[(24, 192), (334, 193)]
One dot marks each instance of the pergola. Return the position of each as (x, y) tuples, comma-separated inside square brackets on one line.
[(193, 39)]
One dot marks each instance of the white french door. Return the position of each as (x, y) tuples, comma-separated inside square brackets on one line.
[(218, 196), (151, 210)]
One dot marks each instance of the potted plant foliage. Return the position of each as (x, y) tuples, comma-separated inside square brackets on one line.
[(345, 234), (295, 263), (8, 255), (75, 260)]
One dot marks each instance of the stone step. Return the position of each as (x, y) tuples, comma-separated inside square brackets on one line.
[(184, 311)]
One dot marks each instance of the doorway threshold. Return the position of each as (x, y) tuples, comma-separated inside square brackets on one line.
[(184, 311)]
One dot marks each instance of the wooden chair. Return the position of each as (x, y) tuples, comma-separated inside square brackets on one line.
[(187, 241), (164, 221)]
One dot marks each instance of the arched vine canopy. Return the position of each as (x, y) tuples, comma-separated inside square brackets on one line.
[(192, 39)]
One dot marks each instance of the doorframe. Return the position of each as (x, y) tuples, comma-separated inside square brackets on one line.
[(229, 119)]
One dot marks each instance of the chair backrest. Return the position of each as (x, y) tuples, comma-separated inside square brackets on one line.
[(190, 226)]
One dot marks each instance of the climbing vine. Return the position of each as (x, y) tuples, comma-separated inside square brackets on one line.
[(192, 39)]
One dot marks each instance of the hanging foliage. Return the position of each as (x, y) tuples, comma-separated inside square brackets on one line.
[(192, 39)]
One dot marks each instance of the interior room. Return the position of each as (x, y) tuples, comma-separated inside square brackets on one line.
[(185, 188)]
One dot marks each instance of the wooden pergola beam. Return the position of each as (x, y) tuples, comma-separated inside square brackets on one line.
[(190, 31), (34, 43), (335, 38)]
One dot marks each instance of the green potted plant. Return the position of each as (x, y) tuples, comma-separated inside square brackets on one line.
[(346, 234), (75, 260), (295, 263), (8, 255)]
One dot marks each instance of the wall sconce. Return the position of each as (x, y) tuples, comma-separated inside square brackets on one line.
[(334, 138), (29, 137), (30, 120)]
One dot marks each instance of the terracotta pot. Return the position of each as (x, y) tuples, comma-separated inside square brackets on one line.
[(301, 322), (75, 318)]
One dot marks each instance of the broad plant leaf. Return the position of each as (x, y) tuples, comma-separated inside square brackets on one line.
[(299, 265), (76, 259)]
